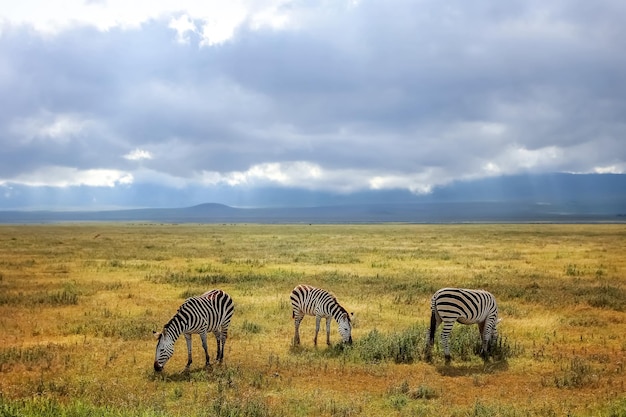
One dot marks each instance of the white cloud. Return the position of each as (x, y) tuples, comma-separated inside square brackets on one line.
[(284, 173), (137, 155), (218, 19), (183, 25), (543, 157), (611, 169), (491, 168), (59, 128), (517, 159), (221, 28), (56, 176), (311, 176), (417, 183)]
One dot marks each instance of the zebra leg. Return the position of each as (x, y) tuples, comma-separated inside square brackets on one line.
[(328, 331), (188, 340), (445, 339), (296, 336), (224, 336), (205, 347), (318, 319), (488, 334), (485, 341), (218, 340)]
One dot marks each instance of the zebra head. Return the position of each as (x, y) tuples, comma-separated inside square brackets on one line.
[(164, 349), (345, 328)]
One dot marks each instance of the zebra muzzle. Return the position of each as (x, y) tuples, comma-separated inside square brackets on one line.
[(157, 367)]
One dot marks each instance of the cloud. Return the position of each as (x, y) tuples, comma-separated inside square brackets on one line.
[(137, 155), (216, 20), (317, 96), (67, 177), (311, 176), (48, 128), (612, 169), (183, 27)]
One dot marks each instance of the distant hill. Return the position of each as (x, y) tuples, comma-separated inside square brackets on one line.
[(452, 212), (542, 198)]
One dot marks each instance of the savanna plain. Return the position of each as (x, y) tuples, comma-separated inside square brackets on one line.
[(79, 302)]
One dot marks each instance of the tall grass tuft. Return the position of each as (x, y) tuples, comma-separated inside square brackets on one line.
[(239, 407), (422, 392), (226, 405), (465, 345), (578, 374), (250, 327), (38, 355), (502, 349), (403, 347), (49, 407), (65, 297), (56, 298), (180, 278)]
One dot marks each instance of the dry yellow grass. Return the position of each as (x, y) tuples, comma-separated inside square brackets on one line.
[(78, 303)]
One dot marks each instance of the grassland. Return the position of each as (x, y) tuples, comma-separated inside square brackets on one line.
[(78, 303)]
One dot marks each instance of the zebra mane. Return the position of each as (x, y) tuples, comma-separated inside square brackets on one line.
[(175, 318), (341, 310), (178, 317), (212, 295)]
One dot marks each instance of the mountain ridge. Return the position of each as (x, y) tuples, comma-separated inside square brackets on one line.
[(467, 212), (522, 198)]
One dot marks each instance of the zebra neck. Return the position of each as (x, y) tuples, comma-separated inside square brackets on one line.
[(337, 311), (175, 328)]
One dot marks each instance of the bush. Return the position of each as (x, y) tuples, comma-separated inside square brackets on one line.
[(403, 347)]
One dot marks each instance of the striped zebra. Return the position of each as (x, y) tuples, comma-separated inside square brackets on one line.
[(307, 300), (209, 312), (467, 307)]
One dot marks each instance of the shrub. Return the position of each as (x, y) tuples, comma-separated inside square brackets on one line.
[(250, 327), (403, 347), (579, 374)]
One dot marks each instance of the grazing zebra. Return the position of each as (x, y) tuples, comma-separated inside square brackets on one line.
[(467, 307), (209, 312), (307, 300)]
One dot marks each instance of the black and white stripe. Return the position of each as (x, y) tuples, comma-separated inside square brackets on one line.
[(466, 306), (209, 312), (307, 300)]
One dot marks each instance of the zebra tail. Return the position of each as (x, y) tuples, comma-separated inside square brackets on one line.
[(433, 326)]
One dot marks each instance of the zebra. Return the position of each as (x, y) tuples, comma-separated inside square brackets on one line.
[(467, 307), (211, 311), (308, 300)]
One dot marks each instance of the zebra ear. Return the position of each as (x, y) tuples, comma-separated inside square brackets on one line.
[(156, 334), (352, 320)]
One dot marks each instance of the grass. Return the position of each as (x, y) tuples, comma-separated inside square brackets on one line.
[(77, 315)]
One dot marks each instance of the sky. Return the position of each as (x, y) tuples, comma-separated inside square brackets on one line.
[(116, 103)]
